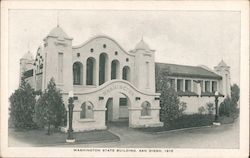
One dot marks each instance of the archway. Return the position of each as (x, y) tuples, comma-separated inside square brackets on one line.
[(117, 112)]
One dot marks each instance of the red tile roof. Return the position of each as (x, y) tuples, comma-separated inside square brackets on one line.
[(186, 71)]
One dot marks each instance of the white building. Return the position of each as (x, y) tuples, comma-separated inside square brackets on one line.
[(110, 83)]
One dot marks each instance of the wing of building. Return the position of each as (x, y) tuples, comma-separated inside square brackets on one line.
[(112, 84)]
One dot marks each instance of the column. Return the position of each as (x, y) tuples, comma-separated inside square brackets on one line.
[(210, 84), (96, 70), (108, 71), (175, 84), (203, 85), (183, 80), (84, 73), (192, 85)]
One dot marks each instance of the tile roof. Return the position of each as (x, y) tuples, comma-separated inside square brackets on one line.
[(187, 71)]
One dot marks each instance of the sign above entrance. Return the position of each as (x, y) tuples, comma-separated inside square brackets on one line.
[(117, 86)]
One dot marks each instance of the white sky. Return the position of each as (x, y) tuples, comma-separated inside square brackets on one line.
[(179, 37)]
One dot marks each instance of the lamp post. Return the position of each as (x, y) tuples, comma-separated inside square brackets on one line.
[(216, 121), (70, 138)]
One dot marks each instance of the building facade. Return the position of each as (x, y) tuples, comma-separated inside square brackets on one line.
[(112, 84)]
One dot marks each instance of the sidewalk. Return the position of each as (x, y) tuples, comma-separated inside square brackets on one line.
[(40, 139)]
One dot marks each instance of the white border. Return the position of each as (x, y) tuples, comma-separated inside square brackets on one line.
[(242, 6)]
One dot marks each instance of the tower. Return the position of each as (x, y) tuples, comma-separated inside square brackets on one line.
[(225, 84), (58, 59), (144, 67), (26, 68)]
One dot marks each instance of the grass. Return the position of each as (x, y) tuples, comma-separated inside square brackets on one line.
[(40, 138)]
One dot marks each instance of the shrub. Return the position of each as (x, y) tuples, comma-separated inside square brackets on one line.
[(22, 103), (194, 120), (210, 108), (201, 110)]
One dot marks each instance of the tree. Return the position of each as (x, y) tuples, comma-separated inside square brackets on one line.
[(171, 107), (50, 109), (22, 103), (229, 106)]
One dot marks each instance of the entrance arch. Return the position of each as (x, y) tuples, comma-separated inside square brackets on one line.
[(117, 108)]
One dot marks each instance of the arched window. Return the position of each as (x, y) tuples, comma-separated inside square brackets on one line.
[(77, 73), (90, 78), (115, 66), (86, 110), (103, 62), (145, 111), (126, 73)]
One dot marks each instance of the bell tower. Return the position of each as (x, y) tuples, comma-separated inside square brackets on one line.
[(225, 84), (58, 59), (144, 67)]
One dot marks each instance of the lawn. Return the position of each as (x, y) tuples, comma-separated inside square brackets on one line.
[(40, 138)]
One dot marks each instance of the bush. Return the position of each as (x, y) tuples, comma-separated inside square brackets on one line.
[(194, 120), (201, 110), (210, 108), (22, 103)]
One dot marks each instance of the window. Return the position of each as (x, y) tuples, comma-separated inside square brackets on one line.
[(116, 53), (214, 86), (126, 73), (207, 86), (123, 102), (78, 54), (114, 69), (90, 71), (91, 50), (145, 111), (102, 68), (179, 85), (60, 67), (77, 73), (86, 110), (127, 59), (104, 46), (188, 85)]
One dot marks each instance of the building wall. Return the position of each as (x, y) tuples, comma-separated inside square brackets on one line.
[(193, 103)]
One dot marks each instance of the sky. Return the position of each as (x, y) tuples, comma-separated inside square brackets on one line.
[(179, 37)]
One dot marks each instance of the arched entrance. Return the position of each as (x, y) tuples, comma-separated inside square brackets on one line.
[(117, 109)]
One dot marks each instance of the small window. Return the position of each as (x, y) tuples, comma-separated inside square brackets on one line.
[(116, 53), (91, 50), (127, 59), (104, 46), (78, 54), (145, 111)]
